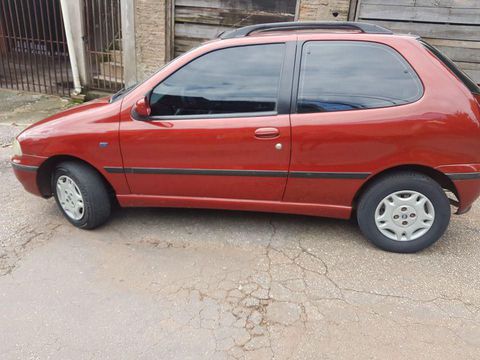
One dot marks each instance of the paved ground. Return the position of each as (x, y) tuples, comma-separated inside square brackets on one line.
[(197, 284)]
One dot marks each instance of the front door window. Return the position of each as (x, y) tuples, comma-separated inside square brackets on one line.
[(237, 80)]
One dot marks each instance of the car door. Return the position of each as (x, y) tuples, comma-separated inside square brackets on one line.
[(219, 128), (350, 116)]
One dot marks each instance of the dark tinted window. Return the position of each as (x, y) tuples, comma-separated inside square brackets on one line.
[(347, 75), (469, 83), (233, 80)]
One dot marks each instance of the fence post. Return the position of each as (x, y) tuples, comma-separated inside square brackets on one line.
[(352, 11), (169, 30)]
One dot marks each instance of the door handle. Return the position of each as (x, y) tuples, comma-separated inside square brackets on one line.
[(267, 133)]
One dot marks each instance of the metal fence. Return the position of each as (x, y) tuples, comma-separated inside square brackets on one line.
[(33, 47), (104, 44)]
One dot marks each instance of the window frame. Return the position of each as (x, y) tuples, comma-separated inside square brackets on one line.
[(298, 64), (283, 95)]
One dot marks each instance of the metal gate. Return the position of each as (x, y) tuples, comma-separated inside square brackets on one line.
[(33, 47), (104, 44)]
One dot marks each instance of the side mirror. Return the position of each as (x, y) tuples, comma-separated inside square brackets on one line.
[(141, 109)]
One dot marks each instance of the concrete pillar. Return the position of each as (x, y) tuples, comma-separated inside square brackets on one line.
[(150, 36), (76, 15), (127, 10)]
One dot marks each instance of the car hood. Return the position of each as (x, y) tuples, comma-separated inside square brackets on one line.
[(69, 131), (80, 113)]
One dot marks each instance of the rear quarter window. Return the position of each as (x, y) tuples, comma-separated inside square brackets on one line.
[(354, 75), (469, 83)]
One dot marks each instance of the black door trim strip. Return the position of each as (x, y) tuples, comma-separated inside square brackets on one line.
[(329, 175), (464, 176), (222, 172), (114, 169), (216, 172)]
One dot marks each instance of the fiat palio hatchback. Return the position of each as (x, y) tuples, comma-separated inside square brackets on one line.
[(326, 119)]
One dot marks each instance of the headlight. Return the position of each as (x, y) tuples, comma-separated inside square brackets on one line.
[(17, 149)]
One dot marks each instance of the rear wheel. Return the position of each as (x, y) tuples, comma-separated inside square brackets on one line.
[(403, 212), (81, 194)]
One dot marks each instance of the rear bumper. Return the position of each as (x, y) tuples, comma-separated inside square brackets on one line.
[(25, 169), (468, 191)]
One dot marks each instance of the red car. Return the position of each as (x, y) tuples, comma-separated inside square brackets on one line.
[(327, 119)]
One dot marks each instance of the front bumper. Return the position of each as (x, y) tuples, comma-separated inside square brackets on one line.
[(26, 168)]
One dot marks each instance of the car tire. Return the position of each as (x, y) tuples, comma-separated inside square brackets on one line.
[(81, 194), (403, 212)]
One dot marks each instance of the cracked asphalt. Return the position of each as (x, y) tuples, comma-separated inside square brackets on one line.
[(202, 284)]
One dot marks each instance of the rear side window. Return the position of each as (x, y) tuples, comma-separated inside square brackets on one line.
[(228, 81), (349, 75), (469, 83)]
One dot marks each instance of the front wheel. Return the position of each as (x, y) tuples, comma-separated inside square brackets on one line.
[(403, 212), (81, 194)]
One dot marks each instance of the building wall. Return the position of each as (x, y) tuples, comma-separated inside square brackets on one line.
[(452, 26), (323, 10), (151, 33), (198, 21), (150, 36)]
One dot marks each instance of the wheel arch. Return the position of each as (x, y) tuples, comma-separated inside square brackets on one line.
[(45, 171), (440, 178)]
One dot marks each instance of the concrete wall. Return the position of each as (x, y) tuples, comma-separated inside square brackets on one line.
[(150, 36), (324, 10)]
